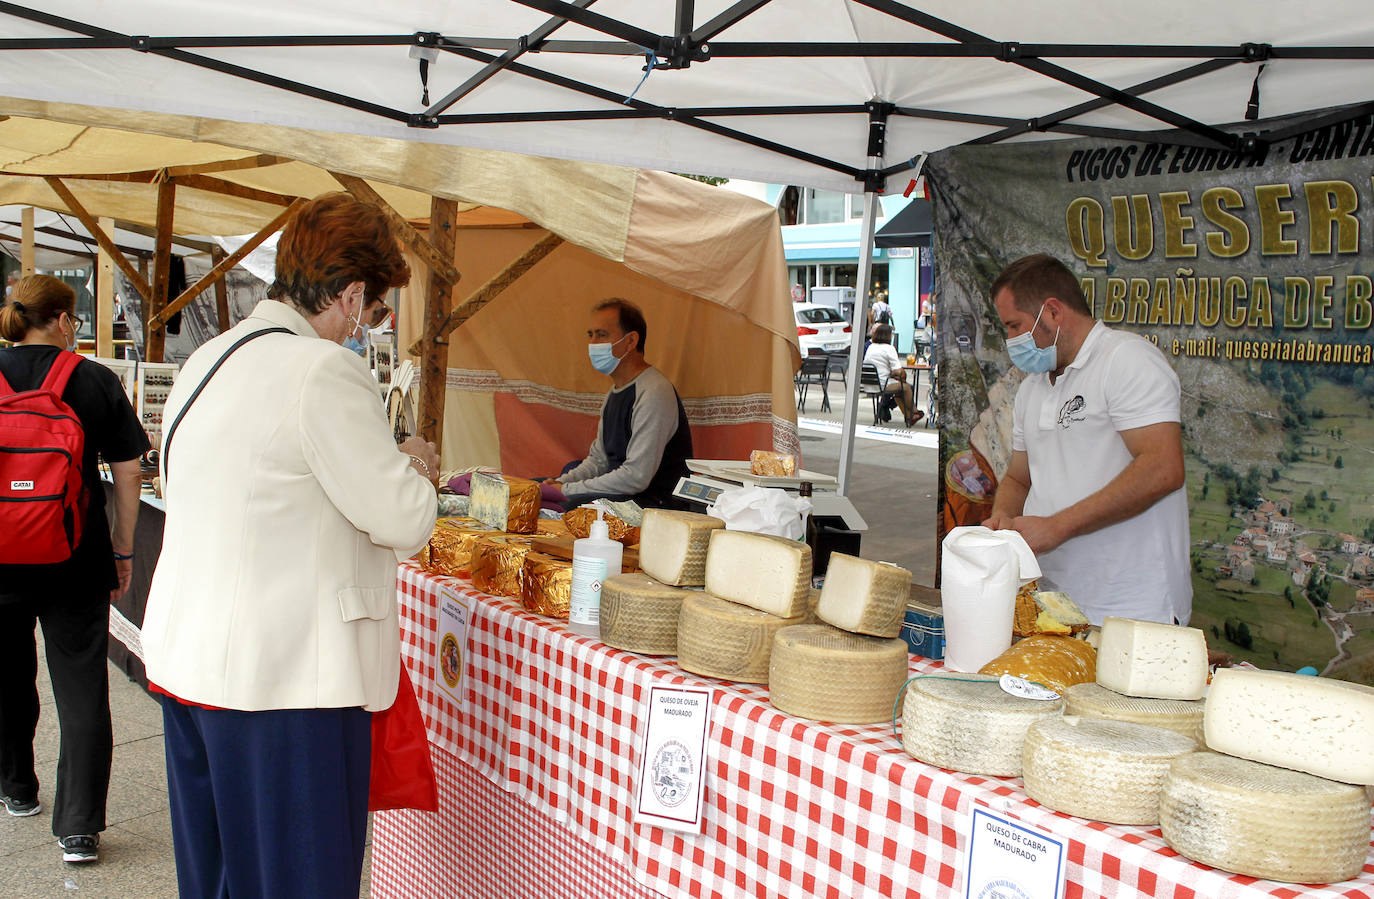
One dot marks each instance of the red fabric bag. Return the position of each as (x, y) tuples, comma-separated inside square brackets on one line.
[(402, 772)]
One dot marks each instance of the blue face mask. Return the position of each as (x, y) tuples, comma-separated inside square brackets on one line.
[(1028, 357), (603, 356), (356, 345)]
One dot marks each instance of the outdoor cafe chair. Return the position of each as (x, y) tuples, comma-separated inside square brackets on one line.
[(815, 369)]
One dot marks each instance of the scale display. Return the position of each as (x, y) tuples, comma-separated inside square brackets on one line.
[(695, 490)]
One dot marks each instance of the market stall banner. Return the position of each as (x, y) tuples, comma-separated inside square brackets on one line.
[(1253, 274)]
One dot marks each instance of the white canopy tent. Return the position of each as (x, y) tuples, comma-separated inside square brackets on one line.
[(835, 94)]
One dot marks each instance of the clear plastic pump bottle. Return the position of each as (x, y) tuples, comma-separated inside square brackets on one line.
[(595, 558)]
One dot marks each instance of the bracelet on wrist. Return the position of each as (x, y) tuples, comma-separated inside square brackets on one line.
[(424, 467), (122, 557)]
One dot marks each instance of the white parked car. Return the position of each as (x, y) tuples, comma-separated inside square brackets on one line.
[(821, 329)]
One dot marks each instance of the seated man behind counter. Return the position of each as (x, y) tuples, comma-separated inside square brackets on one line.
[(643, 441)]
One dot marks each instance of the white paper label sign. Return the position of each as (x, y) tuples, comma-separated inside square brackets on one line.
[(451, 646), (672, 758), (1009, 859)]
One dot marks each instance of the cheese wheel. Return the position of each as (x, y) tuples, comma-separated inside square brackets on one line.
[(1152, 660), (672, 546), (1054, 661), (822, 672), (640, 614), (727, 640), (1314, 724), (864, 597), (967, 723), (771, 574), (1102, 770), (1182, 716), (1263, 821)]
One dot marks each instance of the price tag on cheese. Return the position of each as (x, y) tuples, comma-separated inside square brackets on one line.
[(1019, 686), (672, 758), (451, 646), (1009, 858)]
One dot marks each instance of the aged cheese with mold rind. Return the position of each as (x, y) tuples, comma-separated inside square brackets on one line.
[(821, 672), (640, 614), (1152, 660), (672, 546), (771, 574), (1102, 770), (505, 503), (725, 639), (1315, 724), (1261, 821), (967, 723), (1182, 716), (864, 597)]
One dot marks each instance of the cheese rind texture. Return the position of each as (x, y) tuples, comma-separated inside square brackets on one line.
[(725, 639), (640, 614), (1248, 818), (864, 597), (771, 574), (1314, 724), (1152, 660), (826, 674), (1102, 770), (1182, 716), (968, 723), (672, 546), (505, 503)]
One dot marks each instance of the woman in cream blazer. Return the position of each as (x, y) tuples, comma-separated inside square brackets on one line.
[(271, 625)]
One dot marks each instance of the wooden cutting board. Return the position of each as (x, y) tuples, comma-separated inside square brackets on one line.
[(562, 548)]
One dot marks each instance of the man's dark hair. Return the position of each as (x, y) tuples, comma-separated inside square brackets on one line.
[(630, 316), (882, 334), (1034, 279)]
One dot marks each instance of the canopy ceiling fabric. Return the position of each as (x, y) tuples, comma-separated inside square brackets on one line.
[(735, 97), (909, 228)]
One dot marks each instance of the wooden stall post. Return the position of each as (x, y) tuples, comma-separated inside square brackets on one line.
[(443, 235), (104, 296), (221, 290), (156, 334), (26, 248)]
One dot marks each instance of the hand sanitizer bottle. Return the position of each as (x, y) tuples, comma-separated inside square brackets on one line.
[(595, 558)]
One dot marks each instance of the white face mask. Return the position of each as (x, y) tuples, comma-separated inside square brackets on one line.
[(74, 343)]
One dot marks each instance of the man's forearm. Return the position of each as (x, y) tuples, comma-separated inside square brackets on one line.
[(1010, 499), (1141, 484)]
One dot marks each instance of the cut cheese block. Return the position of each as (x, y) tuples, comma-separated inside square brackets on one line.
[(771, 574), (498, 564), (505, 503), (640, 614), (1262, 821), (724, 639), (864, 597), (1151, 660), (672, 546), (546, 585), (824, 673), (1314, 724), (1182, 716), (1109, 771), (968, 723)]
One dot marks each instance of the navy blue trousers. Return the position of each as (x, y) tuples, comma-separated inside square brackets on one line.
[(268, 804)]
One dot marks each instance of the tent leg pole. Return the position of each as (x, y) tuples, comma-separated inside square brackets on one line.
[(26, 246), (856, 343), (443, 234), (104, 297)]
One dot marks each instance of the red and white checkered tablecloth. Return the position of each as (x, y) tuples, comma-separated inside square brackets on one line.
[(793, 808)]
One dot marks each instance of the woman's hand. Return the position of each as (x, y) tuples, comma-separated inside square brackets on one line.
[(423, 456)]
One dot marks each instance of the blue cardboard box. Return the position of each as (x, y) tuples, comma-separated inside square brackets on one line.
[(923, 629)]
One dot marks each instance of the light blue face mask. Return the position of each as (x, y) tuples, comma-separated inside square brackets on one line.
[(603, 356), (1032, 359), (356, 345)]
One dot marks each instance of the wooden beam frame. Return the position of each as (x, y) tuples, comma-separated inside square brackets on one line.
[(104, 298), (152, 176), (230, 189), (154, 331), (443, 217), (88, 221), (221, 292), (181, 302), (488, 291), (26, 247), (439, 263)]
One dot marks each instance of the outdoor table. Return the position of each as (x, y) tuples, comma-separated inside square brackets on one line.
[(537, 786)]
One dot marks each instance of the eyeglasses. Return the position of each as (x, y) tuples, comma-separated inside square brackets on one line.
[(77, 320)]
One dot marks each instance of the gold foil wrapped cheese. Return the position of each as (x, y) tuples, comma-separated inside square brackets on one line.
[(770, 464), (546, 588), (579, 522), (450, 546), (505, 503), (1047, 659), (497, 564), (553, 527)]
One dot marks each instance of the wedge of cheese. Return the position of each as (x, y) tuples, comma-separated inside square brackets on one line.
[(672, 546), (864, 597), (1150, 660), (771, 574), (1314, 724), (1254, 819), (505, 503), (727, 640), (820, 672)]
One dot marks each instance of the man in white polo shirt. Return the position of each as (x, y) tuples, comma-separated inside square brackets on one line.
[(1095, 483)]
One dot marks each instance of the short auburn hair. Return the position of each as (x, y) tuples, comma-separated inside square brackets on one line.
[(34, 302), (332, 241), (1034, 279)]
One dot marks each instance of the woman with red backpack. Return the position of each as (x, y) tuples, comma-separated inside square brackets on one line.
[(61, 564)]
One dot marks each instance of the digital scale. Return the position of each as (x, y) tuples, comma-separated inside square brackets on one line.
[(710, 477)]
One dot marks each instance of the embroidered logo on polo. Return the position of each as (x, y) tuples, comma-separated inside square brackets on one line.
[(1072, 411)]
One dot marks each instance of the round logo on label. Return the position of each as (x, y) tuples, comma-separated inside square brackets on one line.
[(1001, 889), (672, 774)]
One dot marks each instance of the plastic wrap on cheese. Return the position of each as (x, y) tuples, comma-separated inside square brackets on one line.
[(769, 464), (498, 564), (1052, 661), (450, 545), (505, 503), (546, 585), (579, 522)]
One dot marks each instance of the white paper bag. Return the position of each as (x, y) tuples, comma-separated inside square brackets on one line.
[(981, 571), (763, 510)]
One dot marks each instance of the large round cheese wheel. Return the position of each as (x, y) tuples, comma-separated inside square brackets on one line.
[(725, 639), (967, 723), (821, 672), (1255, 819), (1102, 770), (640, 614), (1183, 716)]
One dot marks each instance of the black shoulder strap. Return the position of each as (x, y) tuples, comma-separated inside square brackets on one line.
[(167, 440)]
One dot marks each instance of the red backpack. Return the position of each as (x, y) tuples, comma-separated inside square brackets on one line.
[(42, 445)]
